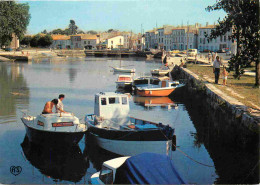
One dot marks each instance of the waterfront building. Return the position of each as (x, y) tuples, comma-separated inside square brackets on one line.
[(15, 42), (61, 42), (178, 35), (76, 42), (114, 42), (168, 42), (221, 42), (89, 41)]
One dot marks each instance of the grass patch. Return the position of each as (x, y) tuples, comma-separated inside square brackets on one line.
[(242, 90)]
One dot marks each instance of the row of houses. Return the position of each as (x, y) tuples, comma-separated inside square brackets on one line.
[(186, 37), (114, 40)]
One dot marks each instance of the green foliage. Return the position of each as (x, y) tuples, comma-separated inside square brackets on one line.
[(41, 40), (243, 17), (14, 18), (26, 40), (57, 31), (45, 41), (72, 28), (92, 32)]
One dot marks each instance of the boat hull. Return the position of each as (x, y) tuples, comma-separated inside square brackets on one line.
[(130, 148), (124, 70), (53, 138), (152, 93)]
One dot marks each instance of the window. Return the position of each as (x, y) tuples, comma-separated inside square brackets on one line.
[(224, 38), (103, 101), (106, 175), (124, 100), (113, 100), (88, 42), (111, 42), (162, 39)]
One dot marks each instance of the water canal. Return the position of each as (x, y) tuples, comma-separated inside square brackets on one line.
[(28, 86)]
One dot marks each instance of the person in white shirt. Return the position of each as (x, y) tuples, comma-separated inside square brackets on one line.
[(59, 106), (216, 68)]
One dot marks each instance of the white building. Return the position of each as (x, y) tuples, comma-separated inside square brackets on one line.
[(221, 42), (178, 35), (115, 42)]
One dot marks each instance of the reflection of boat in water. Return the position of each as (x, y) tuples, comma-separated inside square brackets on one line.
[(149, 56), (54, 129), (123, 70), (58, 163), (153, 101), (116, 132)]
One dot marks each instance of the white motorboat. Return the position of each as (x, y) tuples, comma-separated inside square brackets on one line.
[(117, 132), (55, 128), (124, 81), (145, 168), (149, 56)]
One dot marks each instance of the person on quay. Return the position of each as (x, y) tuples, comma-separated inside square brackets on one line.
[(216, 69), (225, 75), (49, 106), (60, 106)]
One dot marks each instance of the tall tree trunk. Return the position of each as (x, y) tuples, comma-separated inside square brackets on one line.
[(257, 74), (238, 58)]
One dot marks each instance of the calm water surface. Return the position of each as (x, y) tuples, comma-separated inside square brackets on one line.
[(28, 86)]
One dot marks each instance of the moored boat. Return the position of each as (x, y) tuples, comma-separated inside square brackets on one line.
[(54, 129), (119, 133), (163, 88), (124, 81), (161, 72), (145, 168), (123, 70)]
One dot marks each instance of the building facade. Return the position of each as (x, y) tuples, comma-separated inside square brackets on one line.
[(61, 42), (89, 41), (221, 42), (115, 42)]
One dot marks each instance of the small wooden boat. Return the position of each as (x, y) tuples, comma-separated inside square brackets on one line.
[(124, 81), (161, 72), (117, 132), (145, 168), (54, 129), (163, 88)]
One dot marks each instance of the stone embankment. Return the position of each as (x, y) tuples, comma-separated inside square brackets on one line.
[(233, 121)]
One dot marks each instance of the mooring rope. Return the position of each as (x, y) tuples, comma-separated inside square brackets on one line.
[(189, 156)]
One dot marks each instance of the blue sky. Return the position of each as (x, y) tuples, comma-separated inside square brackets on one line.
[(119, 14)]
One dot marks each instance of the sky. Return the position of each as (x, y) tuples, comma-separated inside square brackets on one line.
[(124, 15)]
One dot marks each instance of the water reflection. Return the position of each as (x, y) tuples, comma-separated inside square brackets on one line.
[(57, 163), (14, 92), (233, 164), (150, 102)]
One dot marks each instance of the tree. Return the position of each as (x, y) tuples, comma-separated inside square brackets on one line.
[(26, 40), (14, 19), (45, 41), (242, 17), (57, 31), (35, 40), (44, 32), (72, 27), (92, 32), (80, 32)]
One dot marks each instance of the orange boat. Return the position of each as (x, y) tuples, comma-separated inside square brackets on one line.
[(164, 88)]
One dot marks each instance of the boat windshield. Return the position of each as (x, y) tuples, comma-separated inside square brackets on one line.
[(106, 175)]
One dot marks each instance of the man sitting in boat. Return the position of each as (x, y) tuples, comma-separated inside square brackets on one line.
[(49, 105), (59, 106)]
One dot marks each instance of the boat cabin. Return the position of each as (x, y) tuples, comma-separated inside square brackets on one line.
[(110, 105), (124, 78)]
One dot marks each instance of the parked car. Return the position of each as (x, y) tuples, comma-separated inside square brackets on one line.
[(221, 51), (8, 49), (228, 53), (192, 52)]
